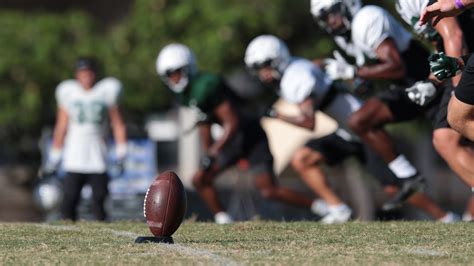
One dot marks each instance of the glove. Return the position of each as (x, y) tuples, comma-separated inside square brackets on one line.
[(118, 166), (338, 68), (207, 162), (443, 66), (51, 166), (422, 92)]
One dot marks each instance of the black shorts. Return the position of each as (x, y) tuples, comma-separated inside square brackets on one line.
[(336, 149), (441, 118), (465, 90), (404, 109), (249, 142)]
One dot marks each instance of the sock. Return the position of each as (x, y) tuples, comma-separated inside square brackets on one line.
[(338, 208), (402, 168)]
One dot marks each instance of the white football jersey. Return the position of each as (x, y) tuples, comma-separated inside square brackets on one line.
[(84, 147), (410, 11), (303, 79), (372, 25)]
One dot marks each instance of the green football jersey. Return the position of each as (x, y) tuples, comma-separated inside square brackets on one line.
[(205, 91)]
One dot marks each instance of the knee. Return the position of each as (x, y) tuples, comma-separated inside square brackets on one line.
[(304, 158), (200, 181), (444, 140), (357, 123)]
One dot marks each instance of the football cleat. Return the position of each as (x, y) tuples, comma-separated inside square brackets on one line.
[(337, 215), (223, 218), (409, 188), (450, 217)]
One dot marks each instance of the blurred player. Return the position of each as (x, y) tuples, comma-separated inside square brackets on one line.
[(385, 51), (243, 137), (448, 37), (301, 82), (84, 104)]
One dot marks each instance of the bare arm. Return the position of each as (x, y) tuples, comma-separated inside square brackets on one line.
[(205, 133), (453, 40), (60, 129), (118, 126), (390, 66), (229, 120), (306, 117)]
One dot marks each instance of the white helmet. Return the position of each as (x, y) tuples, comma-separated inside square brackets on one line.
[(267, 50), (175, 57), (48, 194), (347, 8)]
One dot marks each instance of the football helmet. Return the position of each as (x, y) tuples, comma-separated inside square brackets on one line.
[(267, 50), (320, 9), (172, 58), (48, 193)]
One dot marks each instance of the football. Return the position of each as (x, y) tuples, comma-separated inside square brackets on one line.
[(165, 204)]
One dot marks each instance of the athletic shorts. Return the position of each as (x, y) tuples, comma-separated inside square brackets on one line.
[(336, 149), (465, 90), (249, 142), (441, 117), (403, 109)]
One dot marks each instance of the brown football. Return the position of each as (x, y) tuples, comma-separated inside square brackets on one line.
[(165, 204)]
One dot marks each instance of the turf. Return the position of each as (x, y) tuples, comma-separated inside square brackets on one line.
[(297, 243)]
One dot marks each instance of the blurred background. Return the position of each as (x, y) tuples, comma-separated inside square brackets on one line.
[(41, 38)]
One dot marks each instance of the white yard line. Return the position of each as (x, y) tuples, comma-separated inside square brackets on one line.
[(186, 251), (426, 252)]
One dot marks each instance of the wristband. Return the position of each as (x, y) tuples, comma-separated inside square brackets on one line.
[(459, 4)]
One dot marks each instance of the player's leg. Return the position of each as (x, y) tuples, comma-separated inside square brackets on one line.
[(461, 117), (423, 202), (368, 122), (307, 162), (203, 180), (73, 183), (469, 213), (99, 185), (459, 156)]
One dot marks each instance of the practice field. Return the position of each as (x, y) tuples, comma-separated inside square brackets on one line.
[(282, 243)]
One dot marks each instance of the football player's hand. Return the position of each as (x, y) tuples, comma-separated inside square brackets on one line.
[(339, 68), (206, 162), (443, 66), (422, 92), (439, 10)]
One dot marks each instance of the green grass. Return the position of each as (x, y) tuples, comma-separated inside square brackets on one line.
[(293, 243)]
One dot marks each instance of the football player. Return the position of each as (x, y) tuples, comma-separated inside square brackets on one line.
[(303, 83), (389, 53), (243, 137), (448, 37), (84, 104)]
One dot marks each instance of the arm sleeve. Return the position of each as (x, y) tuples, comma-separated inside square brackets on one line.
[(62, 92), (113, 91), (369, 28)]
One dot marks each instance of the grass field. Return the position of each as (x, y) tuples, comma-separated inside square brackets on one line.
[(282, 243)]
